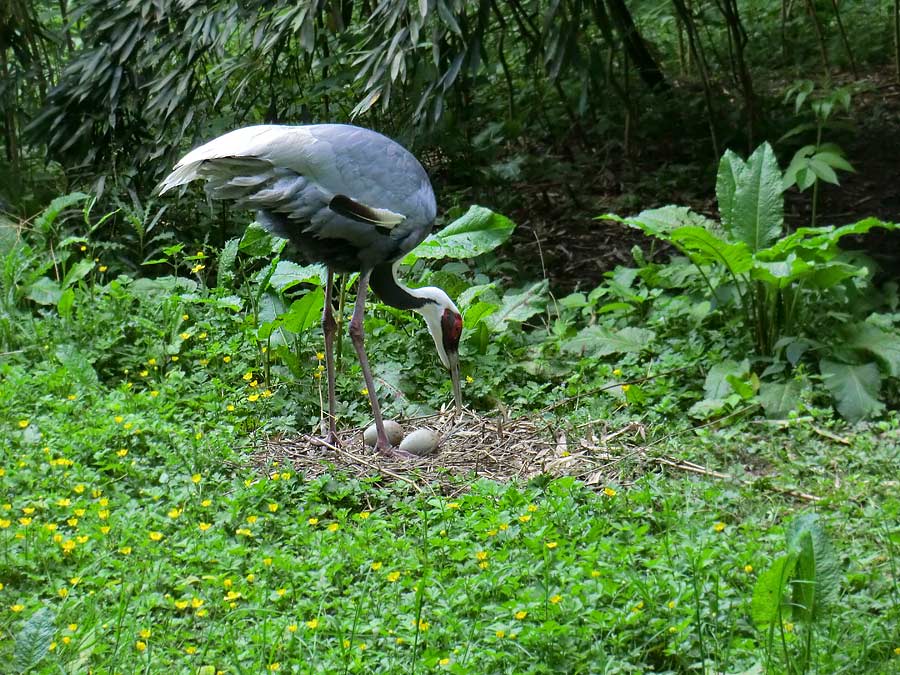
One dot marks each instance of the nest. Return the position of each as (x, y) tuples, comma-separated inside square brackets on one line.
[(471, 446)]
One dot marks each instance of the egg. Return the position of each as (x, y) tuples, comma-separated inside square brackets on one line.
[(392, 430), (422, 442)]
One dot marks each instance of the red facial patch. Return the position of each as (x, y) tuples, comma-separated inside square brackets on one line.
[(451, 327)]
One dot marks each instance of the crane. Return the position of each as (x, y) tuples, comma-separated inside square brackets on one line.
[(344, 196)]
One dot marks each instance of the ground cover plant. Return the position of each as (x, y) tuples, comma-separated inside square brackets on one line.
[(136, 537)]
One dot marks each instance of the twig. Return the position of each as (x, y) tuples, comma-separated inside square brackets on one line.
[(360, 460), (702, 470)]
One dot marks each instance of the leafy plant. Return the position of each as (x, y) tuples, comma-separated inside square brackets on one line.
[(810, 575), (818, 161), (792, 293)]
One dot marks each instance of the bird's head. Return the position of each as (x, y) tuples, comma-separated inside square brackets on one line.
[(445, 325)]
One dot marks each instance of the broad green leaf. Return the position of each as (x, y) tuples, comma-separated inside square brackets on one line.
[(716, 385), (66, 303), (258, 242), (778, 399), (768, 592), (44, 291), (663, 221), (288, 273), (731, 167), (77, 364), (227, 261), (304, 313), (781, 273), (77, 272), (816, 579), (758, 212), (706, 248), (823, 171), (855, 388), (882, 344), (835, 160), (602, 341), (477, 231), (478, 312), (33, 641), (519, 307)]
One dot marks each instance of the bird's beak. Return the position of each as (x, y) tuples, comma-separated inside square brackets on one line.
[(453, 360)]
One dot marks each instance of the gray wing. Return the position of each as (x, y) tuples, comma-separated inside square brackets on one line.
[(335, 182)]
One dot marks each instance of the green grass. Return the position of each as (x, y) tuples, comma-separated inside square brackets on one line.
[(135, 536), (177, 556)]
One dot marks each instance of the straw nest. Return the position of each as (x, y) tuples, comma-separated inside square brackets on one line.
[(471, 446)]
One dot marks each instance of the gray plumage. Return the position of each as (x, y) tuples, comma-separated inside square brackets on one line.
[(343, 195)]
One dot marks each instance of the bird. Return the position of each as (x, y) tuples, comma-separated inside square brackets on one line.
[(345, 196)]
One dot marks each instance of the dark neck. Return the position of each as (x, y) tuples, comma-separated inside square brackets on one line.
[(385, 285)]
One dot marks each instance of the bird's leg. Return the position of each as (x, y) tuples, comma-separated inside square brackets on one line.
[(329, 328), (357, 335)]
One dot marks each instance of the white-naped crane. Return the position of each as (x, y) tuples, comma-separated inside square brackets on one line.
[(344, 196)]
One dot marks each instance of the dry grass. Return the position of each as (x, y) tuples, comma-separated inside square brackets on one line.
[(471, 446)]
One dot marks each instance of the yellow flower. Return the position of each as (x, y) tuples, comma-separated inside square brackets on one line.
[(154, 393), (313, 521), (469, 379), (175, 512), (71, 397), (376, 565), (190, 649), (521, 614), (788, 627), (206, 503), (524, 518), (453, 505), (500, 634), (443, 662), (72, 522), (273, 507), (204, 526), (125, 550), (312, 624), (718, 527), (226, 359), (103, 514), (748, 568), (25, 521), (23, 424), (250, 578), (198, 267), (118, 419), (551, 544), (481, 555), (151, 362), (140, 645), (253, 398), (638, 607), (671, 604), (555, 599), (272, 666), (364, 514), (202, 336), (617, 372), (233, 595), (4, 523), (156, 536), (196, 602), (122, 452), (17, 608), (423, 625), (63, 592), (334, 527), (292, 628), (393, 576), (252, 519), (364, 391), (532, 508), (243, 532), (626, 387), (267, 561), (609, 492), (248, 376), (181, 604), (79, 488), (504, 527)]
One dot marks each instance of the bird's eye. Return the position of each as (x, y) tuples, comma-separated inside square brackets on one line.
[(451, 327)]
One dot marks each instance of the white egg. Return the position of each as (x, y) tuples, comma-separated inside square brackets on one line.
[(422, 442), (393, 431)]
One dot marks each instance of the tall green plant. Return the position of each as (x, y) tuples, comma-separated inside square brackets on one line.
[(793, 595), (792, 292)]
